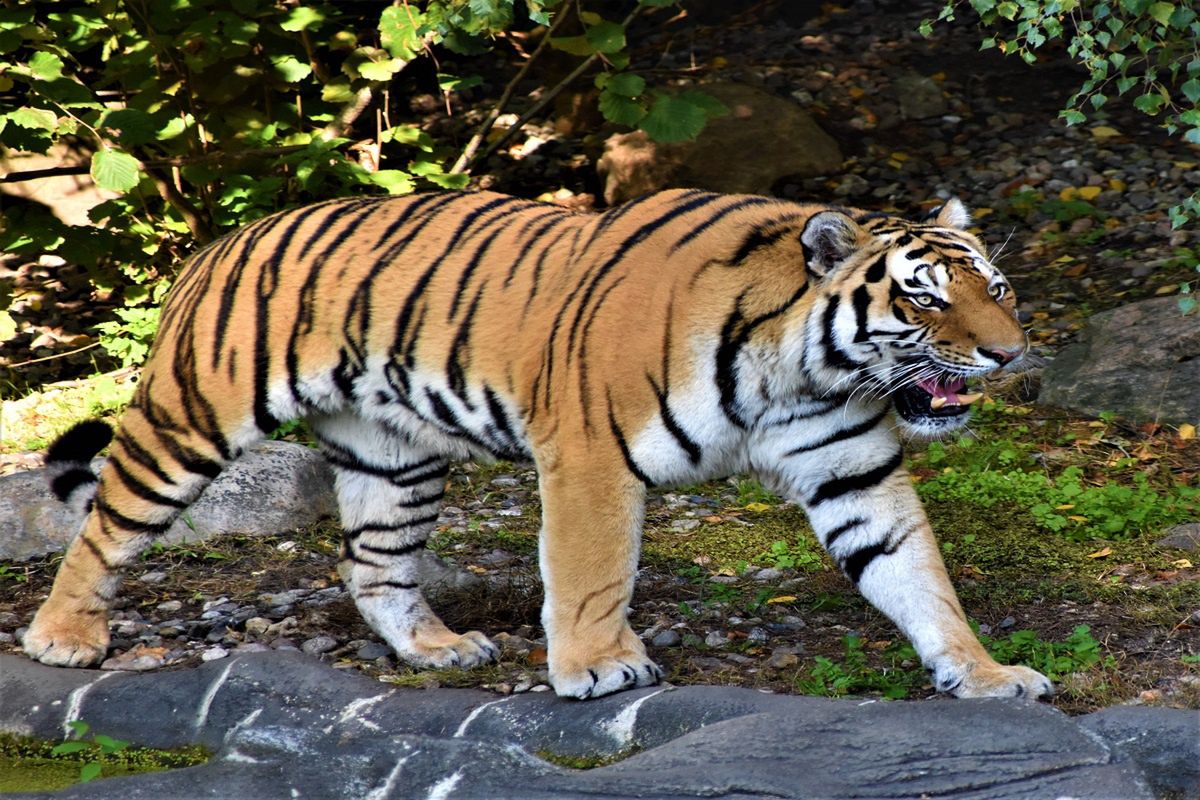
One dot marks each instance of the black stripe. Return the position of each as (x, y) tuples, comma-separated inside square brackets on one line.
[(878, 269), (841, 435), (672, 425), (99, 554), (624, 446), (757, 239), (141, 455), (499, 416), (131, 524), (527, 239), (834, 356), (455, 375), (142, 490), (417, 502), (403, 550), (846, 526), (837, 487), (390, 584), (66, 483), (744, 202), (389, 527), (857, 562)]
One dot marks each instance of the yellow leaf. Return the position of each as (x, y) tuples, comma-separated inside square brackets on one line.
[(720, 61), (1182, 563), (783, 598), (1089, 192), (757, 507), (1068, 193), (1187, 431), (900, 156), (1105, 132), (938, 76), (1079, 518), (856, 92), (1064, 507), (1116, 184), (1107, 551), (1168, 289), (982, 211), (1184, 164)]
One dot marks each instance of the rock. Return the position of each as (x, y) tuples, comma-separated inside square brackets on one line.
[(1185, 536), (282, 725), (257, 626), (770, 137), (781, 659), (1164, 744), (372, 650), (214, 653), (275, 486), (318, 644), (716, 639), (919, 97), (666, 639), (1138, 360)]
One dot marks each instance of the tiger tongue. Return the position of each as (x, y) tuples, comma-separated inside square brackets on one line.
[(942, 394)]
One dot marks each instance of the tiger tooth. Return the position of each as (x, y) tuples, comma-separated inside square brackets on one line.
[(937, 402), (967, 399)]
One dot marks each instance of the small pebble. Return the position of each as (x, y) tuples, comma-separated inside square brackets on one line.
[(318, 644), (257, 626), (168, 607), (153, 577), (214, 653), (666, 639), (716, 639), (372, 650)]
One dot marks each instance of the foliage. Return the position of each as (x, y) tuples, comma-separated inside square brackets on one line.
[(201, 115), (1148, 50), (784, 555), (96, 750), (1078, 652), (855, 675), (1003, 470)]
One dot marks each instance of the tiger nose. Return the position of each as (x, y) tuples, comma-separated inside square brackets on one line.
[(1000, 356)]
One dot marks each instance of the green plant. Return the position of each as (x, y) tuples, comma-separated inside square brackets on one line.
[(202, 115), (750, 492), (854, 674), (1078, 652), (785, 555), (1147, 49), (98, 748)]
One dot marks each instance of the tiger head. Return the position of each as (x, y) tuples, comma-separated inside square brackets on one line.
[(912, 310)]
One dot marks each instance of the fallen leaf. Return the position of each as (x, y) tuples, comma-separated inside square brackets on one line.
[(757, 507), (1107, 551), (783, 598), (1064, 507), (1116, 184), (1170, 288), (1075, 271), (1182, 563), (1079, 518), (537, 656), (1089, 192), (714, 518), (1105, 132), (1187, 431)]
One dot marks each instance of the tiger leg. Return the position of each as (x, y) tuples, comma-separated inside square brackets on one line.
[(389, 493), (591, 530), (871, 521), (153, 472)]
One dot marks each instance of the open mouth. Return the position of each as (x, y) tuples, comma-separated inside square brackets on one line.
[(941, 396)]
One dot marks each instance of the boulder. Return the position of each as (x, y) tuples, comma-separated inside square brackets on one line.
[(763, 139), (1185, 536), (1140, 361), (919, 97), (273, 487)]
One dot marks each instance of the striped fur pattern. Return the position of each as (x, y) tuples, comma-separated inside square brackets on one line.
[(679, 337)]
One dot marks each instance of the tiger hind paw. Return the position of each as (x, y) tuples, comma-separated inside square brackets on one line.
[(605, 675)]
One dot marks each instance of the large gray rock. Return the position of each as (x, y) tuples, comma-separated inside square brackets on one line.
[(764, 138), (1166, 747), (284, 726), (272, 488), (1141, 361), (919, 97)]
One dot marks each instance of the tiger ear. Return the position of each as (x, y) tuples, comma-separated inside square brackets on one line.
[(829, 238), (952, 215)]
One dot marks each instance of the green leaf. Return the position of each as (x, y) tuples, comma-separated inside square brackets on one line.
[(45, 66), (1072, 116), (626, 84), (303, 18), (396, 181), (1008, 10), (79, 726), (130, 126), (453, 83), (458, 180), (1149, 103), (398, 31), (381, 70), (983, 6), (1161, 12), (107, 743), (114, 170), (711, 105), (66, 748), (606, 37), (674, 119), (656, 3), (34, 118), (89, 771), (1191, 90), (621, 110), (925, 28), (575, 45), (290, 69)]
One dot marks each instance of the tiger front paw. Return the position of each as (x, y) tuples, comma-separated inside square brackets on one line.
[(76, 641), (991, 680), (449, 650), (603, 675)]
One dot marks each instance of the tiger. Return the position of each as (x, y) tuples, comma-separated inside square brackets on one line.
[(683, 336)]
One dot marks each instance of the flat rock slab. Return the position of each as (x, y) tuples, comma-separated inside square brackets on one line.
[(284, 725)]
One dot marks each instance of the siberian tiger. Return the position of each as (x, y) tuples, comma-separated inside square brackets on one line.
[(678, 337)]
